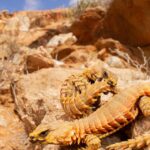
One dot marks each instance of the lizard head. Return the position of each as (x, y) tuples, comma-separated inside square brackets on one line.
[(60, 135), (39, 133), (98, 71), (110, 78), (101, 75)]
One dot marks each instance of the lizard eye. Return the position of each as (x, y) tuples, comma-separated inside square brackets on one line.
[(105, 75), (91, 81), (110, 83), (44, 133), (100, 79)]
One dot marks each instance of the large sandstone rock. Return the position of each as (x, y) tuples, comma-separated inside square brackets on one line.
[(87, 26), (33, 28), (61, 39), (81, 55), (38, 59), (62, 51), (128, 21), (109, 44), (37, 96), (35, 37), (74, 53)]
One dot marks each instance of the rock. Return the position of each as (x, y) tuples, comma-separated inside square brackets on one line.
[(62, 39), (87, 26), (37, 96), (35, 38), (8, 46), (128, 22), (81, 55), (105, 97), (44, 18), (127, 76), (9, 72), (77, 57), (62, 51), (4, 14), (141, 126), (5, 94), (74, 53), (12, 133), (2, 25), (4, 54), (114, 61), (146, 50), (109, 47), (127, 56), (109, 44), (38, 59), (20, 23), (36, 62), (110, 140)]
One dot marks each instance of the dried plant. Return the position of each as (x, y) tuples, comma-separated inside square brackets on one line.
[(82, 5), (139, 66), (8, 44)]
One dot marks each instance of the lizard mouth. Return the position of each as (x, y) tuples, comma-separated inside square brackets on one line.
[(40, 138), (32, 139), (36, 140)]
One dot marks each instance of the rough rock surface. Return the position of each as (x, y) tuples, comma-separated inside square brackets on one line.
[(87, 26), (62, 51), (12, 133), (128, 21), (37, 95), (74, 53), (81, 56), (38, 59), (61, 39), (141, 126)]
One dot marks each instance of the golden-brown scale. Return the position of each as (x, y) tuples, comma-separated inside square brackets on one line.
[(144, 104), (119, 111), (80, 93), (136, 143)]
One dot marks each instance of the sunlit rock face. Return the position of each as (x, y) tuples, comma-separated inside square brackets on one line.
[(128, 21)]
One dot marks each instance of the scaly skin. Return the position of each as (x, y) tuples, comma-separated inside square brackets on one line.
[(136, 143), (140, 141), (80, 93), (119, 111), (144, 105)]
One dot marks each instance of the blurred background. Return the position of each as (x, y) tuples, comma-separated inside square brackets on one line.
[(16, 5)]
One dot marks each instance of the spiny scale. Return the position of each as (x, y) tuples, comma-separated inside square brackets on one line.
[(108, 119), (136, 143), (120, 110), (144, 104), (80, 92)]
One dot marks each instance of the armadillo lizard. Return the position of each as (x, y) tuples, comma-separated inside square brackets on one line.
[(80, 93), (119, 111)]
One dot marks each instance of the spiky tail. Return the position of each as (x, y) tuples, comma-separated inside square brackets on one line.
[(136, 143), (80, 93)]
